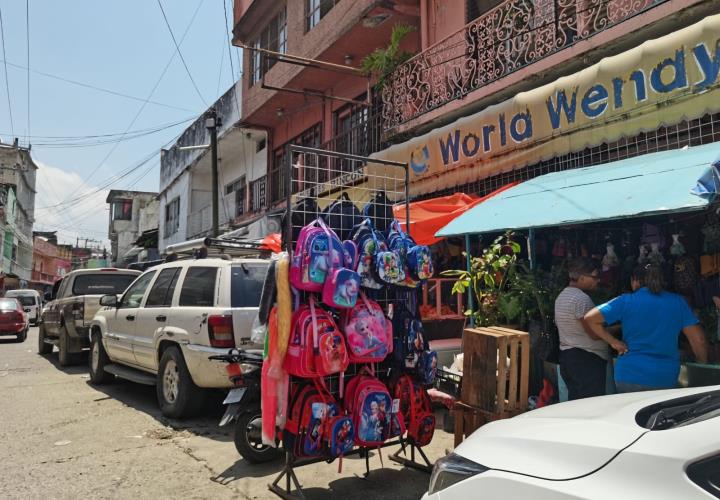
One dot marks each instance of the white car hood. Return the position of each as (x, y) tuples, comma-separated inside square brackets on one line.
[(563, 441)]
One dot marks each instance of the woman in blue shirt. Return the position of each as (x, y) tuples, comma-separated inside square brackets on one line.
[(652, 320)]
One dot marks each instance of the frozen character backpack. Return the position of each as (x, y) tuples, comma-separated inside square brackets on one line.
[(369, 404), (317, 252), (368, 332), (316, 348)]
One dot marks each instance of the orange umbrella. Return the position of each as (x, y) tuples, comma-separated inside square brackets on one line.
[(429, 216)]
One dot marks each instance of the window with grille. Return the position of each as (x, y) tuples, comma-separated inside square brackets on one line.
[(239, 187), (273, 37), (476, 8), (257, 194), (172, 217), (311, 137), (316, 10)]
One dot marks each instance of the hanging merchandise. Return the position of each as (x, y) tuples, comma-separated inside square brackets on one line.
[(318, 251), (416, 259), (368, 332), (368, 244), (415, 405), (379, 211), (386, 264), (643, 257), (652, 234), (655, 257), (303, 213), (610, 258), (677, 249), (342, 216), (685, 275), (711, 232)]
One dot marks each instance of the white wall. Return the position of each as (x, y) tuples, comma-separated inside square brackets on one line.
[(180, 187)]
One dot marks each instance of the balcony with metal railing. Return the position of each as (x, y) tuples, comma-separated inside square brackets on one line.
[(512, 36)]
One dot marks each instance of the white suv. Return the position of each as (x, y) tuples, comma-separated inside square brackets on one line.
[(162, 330)]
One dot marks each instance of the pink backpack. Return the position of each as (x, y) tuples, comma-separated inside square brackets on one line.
[(369, 404), (368, 332), (317, 252), (316, 347)]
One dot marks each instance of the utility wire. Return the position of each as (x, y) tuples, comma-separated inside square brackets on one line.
[(94, 87), (177, 48), (7, 81), (145, 102), (27, 36)]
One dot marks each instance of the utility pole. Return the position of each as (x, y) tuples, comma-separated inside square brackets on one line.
[(212, 122)]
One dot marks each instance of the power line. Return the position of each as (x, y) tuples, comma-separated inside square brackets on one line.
[(27, 37), (177, 48), (94, 87), (142, 107), (7, 81)]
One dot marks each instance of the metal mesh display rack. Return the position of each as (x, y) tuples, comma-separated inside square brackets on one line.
[(325, 177)]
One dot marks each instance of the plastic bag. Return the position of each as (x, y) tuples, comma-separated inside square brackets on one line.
[(258, 332)]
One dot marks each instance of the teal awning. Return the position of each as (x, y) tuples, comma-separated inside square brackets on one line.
[(669, 181)]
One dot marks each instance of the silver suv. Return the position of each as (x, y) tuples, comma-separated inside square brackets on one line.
[(162, 330)]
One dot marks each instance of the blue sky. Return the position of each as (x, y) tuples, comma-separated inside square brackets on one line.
[(120, 46)]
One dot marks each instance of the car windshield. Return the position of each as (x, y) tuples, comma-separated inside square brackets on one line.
[(26, 300), (247, 284), (102, 283), (8, 304)]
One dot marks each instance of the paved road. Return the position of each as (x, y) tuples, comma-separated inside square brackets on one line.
[(61, 437)]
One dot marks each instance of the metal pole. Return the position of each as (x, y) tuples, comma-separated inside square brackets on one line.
[(531, 249), (212, 123), (407, 199), (471, 301)]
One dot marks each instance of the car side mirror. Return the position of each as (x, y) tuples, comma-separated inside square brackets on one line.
[(108, 300)]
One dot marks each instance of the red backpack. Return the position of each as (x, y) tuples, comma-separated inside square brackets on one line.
[(368, 332), (315, 425), (316, 347), (368, 402), (417, 408)]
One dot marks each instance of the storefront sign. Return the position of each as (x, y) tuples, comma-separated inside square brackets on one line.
[(661, 82)]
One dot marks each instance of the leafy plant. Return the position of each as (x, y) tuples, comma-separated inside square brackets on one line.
[(383, 61), (488, 278)]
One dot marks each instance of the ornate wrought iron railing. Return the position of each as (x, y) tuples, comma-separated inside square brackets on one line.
[(508, 37)]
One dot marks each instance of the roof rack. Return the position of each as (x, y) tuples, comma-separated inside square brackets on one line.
[(214, 247)]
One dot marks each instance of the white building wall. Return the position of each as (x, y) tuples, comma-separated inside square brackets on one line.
[(180, 188)]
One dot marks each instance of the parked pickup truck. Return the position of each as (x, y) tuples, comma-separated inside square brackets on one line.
[(74, 300)]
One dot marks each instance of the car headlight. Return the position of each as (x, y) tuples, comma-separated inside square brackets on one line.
[(452, 469)]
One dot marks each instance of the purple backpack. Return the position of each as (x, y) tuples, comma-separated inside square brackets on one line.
[(317, 252)]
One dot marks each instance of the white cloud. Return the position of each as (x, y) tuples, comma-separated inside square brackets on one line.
[(82, 211)]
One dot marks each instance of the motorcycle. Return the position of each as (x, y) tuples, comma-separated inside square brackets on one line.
[(243, 405)]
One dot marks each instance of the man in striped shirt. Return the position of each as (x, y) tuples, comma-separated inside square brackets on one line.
[(583, 355)]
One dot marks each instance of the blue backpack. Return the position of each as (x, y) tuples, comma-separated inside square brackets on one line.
[(416, 259)]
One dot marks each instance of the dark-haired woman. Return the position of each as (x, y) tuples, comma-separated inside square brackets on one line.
[(652, 320)]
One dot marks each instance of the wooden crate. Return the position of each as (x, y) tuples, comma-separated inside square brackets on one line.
[(496, 373)]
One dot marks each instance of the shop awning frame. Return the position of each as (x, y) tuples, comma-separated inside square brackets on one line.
[(665, 182)]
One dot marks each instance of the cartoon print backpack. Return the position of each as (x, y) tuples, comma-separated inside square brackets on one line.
[(315, 425), (341, 288), (427, 368), (409, 340), (415, 405), (369, 404), (387, 265), (317, 251), (362, 235), (368, 332), (316, 347), (415, 259)]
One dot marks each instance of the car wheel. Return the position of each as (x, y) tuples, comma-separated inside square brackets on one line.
[(248, 438), (22, 336), (43, 347), (177, 394), (98, 360), (65, 357)]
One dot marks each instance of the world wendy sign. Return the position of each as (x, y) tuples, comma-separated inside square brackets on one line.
[(661, 82)]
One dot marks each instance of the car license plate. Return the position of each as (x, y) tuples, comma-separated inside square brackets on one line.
[(235, 395)]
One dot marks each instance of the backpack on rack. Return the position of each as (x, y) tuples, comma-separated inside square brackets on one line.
[(409, 342), (316, 347), (342, 215), (368, 332), (416, 259), (369, 404), (386, 264), (315, 425), (415, 405), (362, 236), (318, 250), (379, 211)]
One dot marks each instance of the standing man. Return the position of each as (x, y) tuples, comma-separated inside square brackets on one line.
[(583, 354)]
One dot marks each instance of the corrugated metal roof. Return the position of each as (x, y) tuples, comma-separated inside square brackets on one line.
[(668, 181)]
